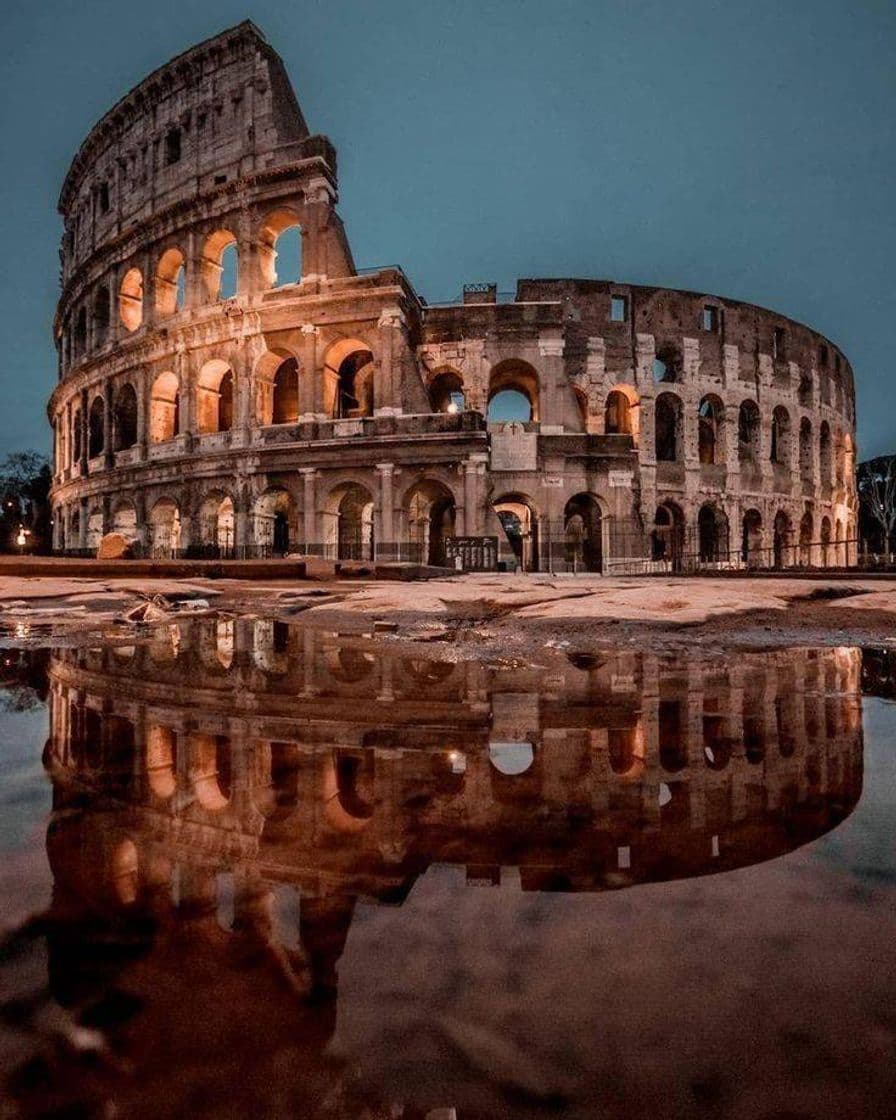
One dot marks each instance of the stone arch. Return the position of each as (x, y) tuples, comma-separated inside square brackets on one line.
[(806, 531), (825, 453), (217, 523), (751, 538), (214, 397), (130, 299), (349, 379), (96, 427), (124, 519), (782, 539), (710, 418), (161, 760), (430, 510), (349, 791), (348, 522), (622, 412), (583, 532), (279, 239), (210, 770), (826, 553), (275, 521), (667, 427), (164, 528), (77, 436), (807, 465), (164, 408), (748, 432), (520, 381), (712, 534), (780, 436), (125, 417), (667, 536), (220, 265), (667, 365), (170, 282), (446, 392), (518, 516), (79, 335), (277, 394)]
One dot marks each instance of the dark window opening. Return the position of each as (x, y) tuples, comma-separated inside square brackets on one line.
[(711, 319), (822, 355), (779, 344), (104, 198), (172, 146)]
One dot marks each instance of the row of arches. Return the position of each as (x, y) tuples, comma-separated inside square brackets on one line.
[(279, 262)]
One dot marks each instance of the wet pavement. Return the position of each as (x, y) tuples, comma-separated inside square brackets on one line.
[(251, 868)]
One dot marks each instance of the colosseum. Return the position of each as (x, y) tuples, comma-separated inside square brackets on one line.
[(230, 384)]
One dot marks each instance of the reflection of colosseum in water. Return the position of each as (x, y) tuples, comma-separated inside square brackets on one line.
[(231, 384), (302, 770)]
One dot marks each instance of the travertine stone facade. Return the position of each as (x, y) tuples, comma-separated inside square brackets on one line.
[(230, 384)]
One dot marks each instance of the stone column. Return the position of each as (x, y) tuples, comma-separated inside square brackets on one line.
[(144, 389), (386, 389), (309, 509), (85, 432), (82, 524), (311, 378), (108, 435), (182, 367), (474, 474), (385, 540)]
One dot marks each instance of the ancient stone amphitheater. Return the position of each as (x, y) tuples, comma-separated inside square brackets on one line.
[(230, 384)]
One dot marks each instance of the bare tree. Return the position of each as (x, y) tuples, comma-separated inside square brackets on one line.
[(877, 491)]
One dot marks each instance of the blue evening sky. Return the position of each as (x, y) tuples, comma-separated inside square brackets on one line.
[(745, 149)]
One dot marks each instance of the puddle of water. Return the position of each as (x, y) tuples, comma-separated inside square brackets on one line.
[(284, 872)]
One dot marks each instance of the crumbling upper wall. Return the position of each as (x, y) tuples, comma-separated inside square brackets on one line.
[(222, 109)]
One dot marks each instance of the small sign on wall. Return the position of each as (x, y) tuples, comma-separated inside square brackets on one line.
[(621, 479)]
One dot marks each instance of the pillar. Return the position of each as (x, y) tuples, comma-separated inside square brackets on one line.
[(309, 509), (387, 387), (311, 379), (385, 538)]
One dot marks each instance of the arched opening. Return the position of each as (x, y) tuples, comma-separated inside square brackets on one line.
[(748, 432), (620, 414), (709, 420), (96, 428), (751, 540), (806, 448), (348, 522), (780, 441), (285, 393), (667, 365), (164, 526), (280, 249), (130, 299), (667, 536), (806, 527), (513, 393), (220, 265), (430, 510), (164, 408), (825, 461), (170, 282), (161, 760), (446, 392), (275, 522), (349, 789), (519, 520), (712, 534), (348, 379), (124, 520), (667, 423), (214, 397), (101, 315), (125, 417), (583, 533), (210, 770), (781, 540), (511, 757), (217, 525), (80, 333), (826, 542)]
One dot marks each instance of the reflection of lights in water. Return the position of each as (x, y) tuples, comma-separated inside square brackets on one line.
[(458, 762), (710, 754), (665, 794), (22, 630), (511, 758)]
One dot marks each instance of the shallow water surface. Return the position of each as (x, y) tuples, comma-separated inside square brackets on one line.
[(251, 869)]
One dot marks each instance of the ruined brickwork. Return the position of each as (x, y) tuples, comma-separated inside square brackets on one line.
[(222, 394)]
